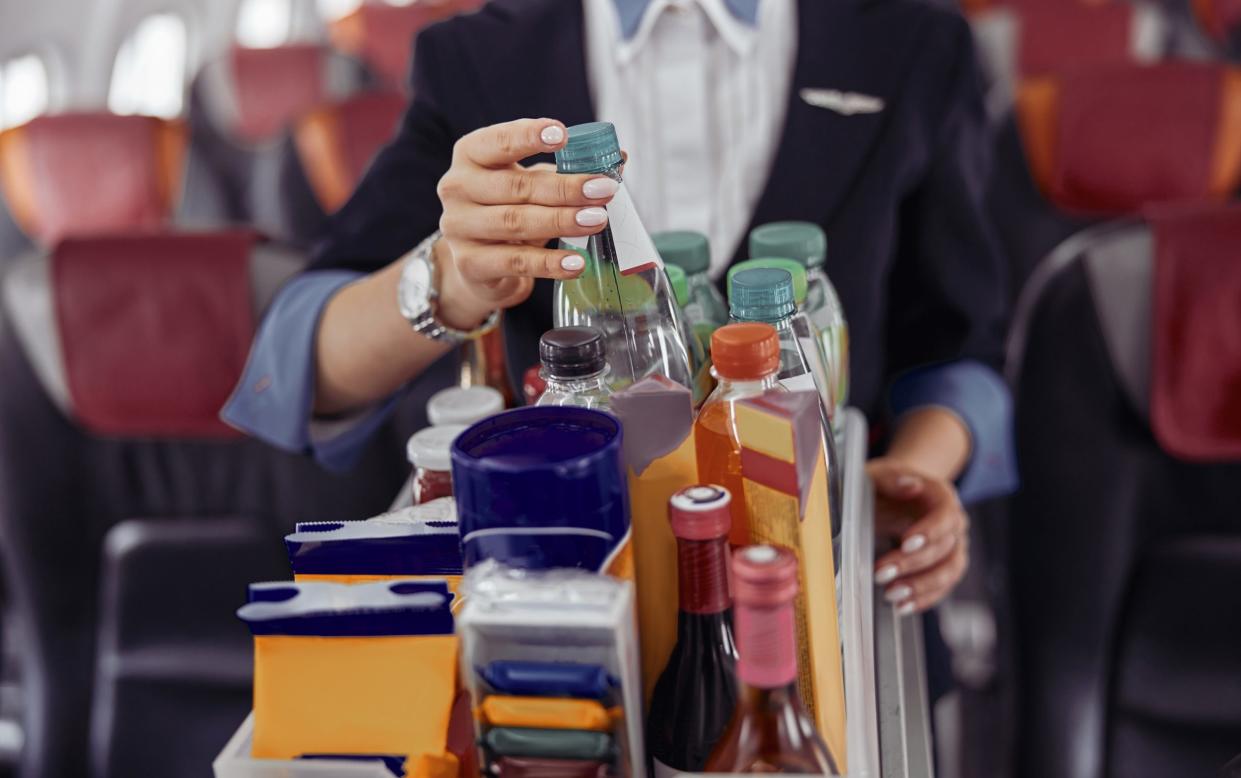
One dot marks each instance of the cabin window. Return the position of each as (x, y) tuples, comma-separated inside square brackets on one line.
[(332, 10), (23, 90), (264, 24), (149, 74)]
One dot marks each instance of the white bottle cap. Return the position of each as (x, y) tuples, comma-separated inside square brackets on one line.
[(464, 405), (431, 448)]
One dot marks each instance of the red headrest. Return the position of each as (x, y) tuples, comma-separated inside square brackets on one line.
[(382, 35), (1112, 140), (88, 173), (336, 142), (1196, 386), (1220, 18), (154, 330), (1056, 37), (272, 86), (977, 6)]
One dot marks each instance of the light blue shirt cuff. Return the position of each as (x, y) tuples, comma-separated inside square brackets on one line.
[(274, 399), (980, 398)]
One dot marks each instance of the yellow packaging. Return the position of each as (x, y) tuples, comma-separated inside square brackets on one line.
[(658, 420), (546, 713), (786, 495)]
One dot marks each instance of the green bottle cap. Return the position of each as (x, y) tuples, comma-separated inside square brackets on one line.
[(592, 148), (762, 294), (793, 267), (687, 250), (803, 241), (680, 284)]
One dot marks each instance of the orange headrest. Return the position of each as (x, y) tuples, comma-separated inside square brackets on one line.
[(79, 173), (382, 35), (336, 142), (1111, 140), (1220, 18)]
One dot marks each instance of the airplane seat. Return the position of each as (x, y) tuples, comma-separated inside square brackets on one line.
[(78, 173), (382, 35), (1221, 21), (242, 108), (1125, 552), (1084, 147), (131, 517), (1036, 37)]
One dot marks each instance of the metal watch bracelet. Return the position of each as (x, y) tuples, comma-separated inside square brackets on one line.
[(418, 297)]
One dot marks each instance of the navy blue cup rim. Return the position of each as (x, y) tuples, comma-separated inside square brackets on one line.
[(604, 422)]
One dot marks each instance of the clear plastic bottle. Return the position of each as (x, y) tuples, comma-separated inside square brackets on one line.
[(806, 243), (575, 368), (807, 334), (747, 364), (766, 295), (706, 309), (699, 362), (623, 291)]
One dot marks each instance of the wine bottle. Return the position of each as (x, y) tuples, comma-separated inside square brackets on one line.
[(770, 731), (695, 694)]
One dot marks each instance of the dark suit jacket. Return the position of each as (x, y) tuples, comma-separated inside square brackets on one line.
[(899, 192)]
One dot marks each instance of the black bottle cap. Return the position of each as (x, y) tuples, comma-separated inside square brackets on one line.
[(572, 352)]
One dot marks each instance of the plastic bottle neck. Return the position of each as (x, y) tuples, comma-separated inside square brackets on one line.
[(746, 386), (577, 385)]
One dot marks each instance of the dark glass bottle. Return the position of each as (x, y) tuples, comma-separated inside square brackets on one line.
[(770, 731), (695, 694)]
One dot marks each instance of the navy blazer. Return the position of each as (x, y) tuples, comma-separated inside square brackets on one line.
[(899, 192)]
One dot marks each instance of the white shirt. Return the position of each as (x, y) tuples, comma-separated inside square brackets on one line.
[(699, 99)]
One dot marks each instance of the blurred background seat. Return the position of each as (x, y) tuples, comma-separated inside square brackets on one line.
[(117, 353), (242, 109), (382, 35), (81, 173), (1126, 542), (1080, 148)]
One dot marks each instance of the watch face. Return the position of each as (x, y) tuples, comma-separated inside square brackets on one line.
[(416, 288)]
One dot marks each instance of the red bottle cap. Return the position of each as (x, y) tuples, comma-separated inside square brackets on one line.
[(745, 352), (764, 576), (700, 512)]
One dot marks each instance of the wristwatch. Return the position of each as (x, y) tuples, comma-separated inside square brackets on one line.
[(417, 294)]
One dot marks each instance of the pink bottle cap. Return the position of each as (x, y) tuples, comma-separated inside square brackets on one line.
[(764, 576), (700, 512)]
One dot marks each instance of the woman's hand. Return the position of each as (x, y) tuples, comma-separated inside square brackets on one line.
[(498, 218), (921, 518)]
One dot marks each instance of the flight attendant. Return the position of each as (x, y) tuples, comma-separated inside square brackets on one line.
[(864, 116)]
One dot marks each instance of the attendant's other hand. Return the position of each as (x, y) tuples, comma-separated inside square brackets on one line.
[(498, 218), (922, 521)]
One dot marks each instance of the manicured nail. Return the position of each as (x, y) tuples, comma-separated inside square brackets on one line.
[(591, 217), (573, 263), (886, 575), (898, 593), (913, 543), (907, 609), (552, 134), (599, 188), (907, 483)]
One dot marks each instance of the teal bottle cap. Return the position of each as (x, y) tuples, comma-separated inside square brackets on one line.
[(680, 284), (794, 268), (592, 148), (763, 294), (688, 250), (803, 241)]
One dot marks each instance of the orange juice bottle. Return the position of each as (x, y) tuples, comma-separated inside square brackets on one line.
[(746, 360)]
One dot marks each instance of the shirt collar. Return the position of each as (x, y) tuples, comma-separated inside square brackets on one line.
[(735, 20)]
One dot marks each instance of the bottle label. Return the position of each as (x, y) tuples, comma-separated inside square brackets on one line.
[(799, 383), (635, 251), (664, 771)]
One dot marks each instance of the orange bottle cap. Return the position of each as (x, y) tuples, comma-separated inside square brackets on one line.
[(746, 351)]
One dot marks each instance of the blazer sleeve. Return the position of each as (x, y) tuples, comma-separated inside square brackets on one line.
[(947, 309)]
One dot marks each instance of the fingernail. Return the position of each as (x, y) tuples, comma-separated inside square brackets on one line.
[(898, 593), (913, 543), (886, 575), (573, 263), (908, 482), (906, 609), (591, 217), (599, 188), (552, 134)]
